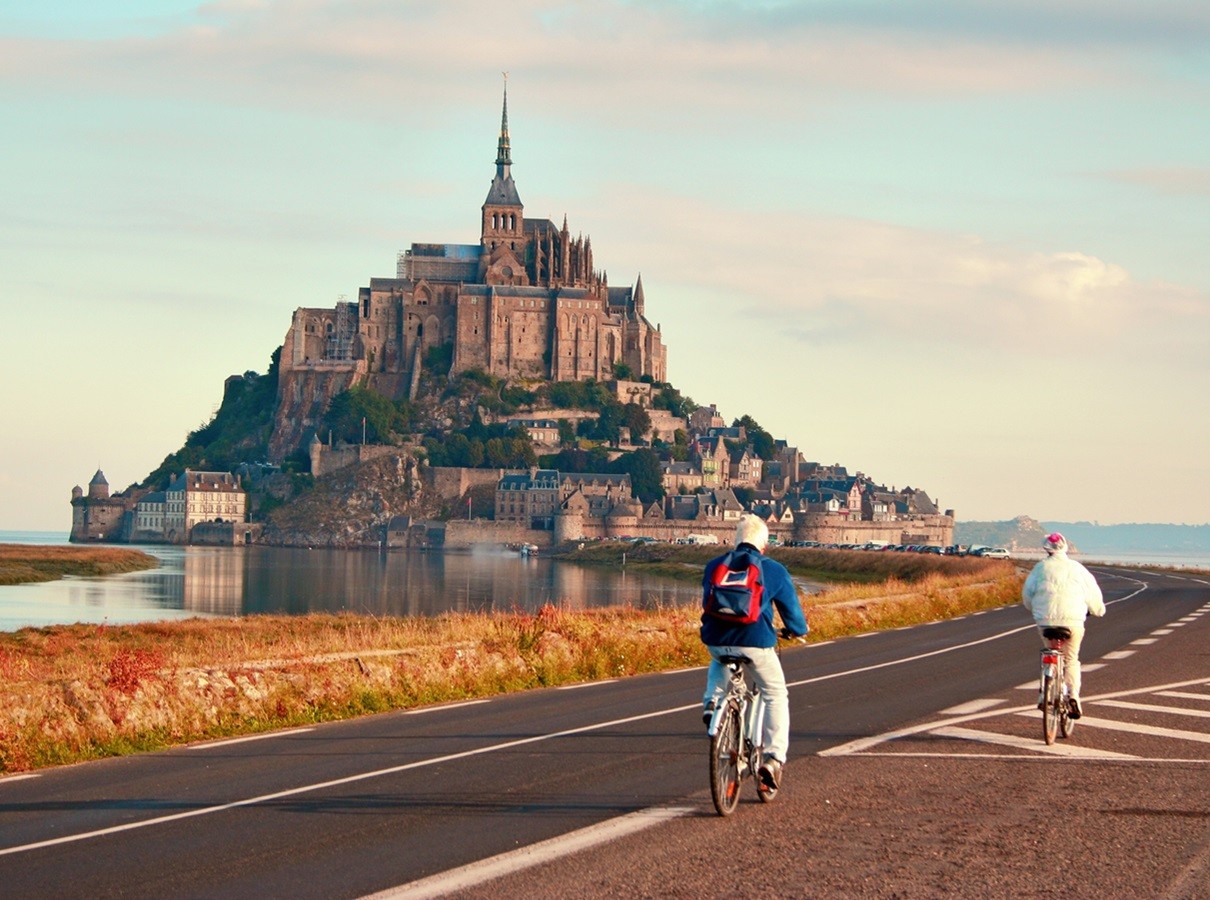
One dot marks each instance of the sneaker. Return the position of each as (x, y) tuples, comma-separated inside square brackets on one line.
[(1041, 700), (1073, 708), (707, 714), (769, 773)]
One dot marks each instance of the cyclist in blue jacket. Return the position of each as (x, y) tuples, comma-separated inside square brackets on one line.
[(757, 641)]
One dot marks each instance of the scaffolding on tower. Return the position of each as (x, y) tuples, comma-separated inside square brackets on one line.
[(340, 343)]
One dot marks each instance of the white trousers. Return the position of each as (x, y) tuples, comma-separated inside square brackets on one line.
[(769, 677), (1071, 657)]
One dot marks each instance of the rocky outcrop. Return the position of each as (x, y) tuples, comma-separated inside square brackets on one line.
[(352, 507)]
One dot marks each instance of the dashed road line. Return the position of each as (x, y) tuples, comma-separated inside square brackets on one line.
[(476, 873), (210, 745), (1118, 654), (1139, 728), (1151, 707), (1073, 751), (1183, 695), (972, 707)]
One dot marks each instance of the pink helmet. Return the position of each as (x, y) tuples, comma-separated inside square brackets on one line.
[(1055, 543)]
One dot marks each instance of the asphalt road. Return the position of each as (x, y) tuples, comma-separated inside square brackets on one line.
[(917, 769)]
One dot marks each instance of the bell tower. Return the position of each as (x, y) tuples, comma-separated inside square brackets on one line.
[(503, 213)]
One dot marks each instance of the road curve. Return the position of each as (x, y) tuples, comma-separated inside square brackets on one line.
[(916, 769)]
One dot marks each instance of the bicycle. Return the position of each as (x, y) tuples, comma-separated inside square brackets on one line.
[(1056, 697), (736, 727)]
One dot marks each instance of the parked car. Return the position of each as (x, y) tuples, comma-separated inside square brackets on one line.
[(992, 552)]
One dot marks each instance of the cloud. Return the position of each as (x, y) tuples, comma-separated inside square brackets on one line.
[(1176, 180), (857, 281), (379, 58)]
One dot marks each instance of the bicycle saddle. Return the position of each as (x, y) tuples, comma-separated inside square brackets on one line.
[(1056, 632), (734, 660)]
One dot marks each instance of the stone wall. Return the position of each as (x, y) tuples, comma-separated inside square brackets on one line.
[(830, 529), (451, 483), (463, 534), (225, 534), (326, 459)]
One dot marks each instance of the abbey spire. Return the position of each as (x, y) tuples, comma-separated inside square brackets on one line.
[(503, 192)]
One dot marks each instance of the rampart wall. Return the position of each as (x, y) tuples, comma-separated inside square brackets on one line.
[(461, 534)]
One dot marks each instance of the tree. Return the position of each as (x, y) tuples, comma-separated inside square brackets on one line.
[(567, 432), (643, 467), (637, 420), (382, 418)]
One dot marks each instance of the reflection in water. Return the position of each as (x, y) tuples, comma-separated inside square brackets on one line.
[(226, 581)]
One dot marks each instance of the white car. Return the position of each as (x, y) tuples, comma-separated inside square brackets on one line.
[(994, 552)]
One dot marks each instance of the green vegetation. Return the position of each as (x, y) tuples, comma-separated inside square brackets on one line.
[(811, 564), (239, 432), (360, 412), (24, 563)]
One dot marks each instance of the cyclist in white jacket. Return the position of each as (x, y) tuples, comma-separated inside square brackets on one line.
[(1060, 591)]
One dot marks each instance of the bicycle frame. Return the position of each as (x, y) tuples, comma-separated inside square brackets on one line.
[(1053, 687), (736, 757)]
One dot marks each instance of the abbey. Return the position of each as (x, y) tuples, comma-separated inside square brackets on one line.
[(525, 302)]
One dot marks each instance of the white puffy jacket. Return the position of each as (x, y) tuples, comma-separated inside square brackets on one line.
[(1060, 591)]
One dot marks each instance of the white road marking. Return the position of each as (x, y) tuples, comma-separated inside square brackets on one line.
[(1143, 642), (337, 782), (1118, 654), (1183, 695), (1152, 730), (442, 707), (1150, 707), (1021, 757), (477, 873), (1160, 632), (210, 745), (21, 777), (1033, 745), (1091, 667), (974, 706), (576, 687), (861, 745)]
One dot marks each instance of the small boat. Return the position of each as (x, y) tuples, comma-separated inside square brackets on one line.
[(529, 550)]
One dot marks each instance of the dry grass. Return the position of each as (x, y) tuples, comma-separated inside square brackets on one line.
[(70, 693), (23, 563)]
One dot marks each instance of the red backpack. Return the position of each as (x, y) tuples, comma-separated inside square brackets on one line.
[(734, 595)]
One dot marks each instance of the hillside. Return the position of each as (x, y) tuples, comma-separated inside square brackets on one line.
[(1025, 533)]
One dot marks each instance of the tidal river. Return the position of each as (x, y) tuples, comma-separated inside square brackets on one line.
[(240, 581)]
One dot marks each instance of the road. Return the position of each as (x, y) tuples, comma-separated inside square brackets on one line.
[(917, 769)]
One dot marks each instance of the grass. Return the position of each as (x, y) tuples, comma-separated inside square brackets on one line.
[(24, 563), (807, 563), (79, 692)]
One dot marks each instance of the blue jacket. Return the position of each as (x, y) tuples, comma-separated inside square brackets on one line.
[(779, 591)]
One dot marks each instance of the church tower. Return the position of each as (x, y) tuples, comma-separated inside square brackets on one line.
[(502, 233)]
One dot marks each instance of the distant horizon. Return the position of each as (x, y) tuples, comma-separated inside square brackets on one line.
[(957, 521)]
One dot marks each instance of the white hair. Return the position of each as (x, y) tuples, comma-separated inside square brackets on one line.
[(752, 530)]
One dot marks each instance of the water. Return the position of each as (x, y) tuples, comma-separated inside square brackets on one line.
[(239, 581)]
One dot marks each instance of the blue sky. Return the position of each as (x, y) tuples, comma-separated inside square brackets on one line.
[(954, 245)]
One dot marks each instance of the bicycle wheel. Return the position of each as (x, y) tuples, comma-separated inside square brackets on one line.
[(1066, 723), (724, 762), (1050, 712)]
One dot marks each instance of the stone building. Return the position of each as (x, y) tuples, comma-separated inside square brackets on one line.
[(534, 498), (96, 516), (194, 498), (526, 301)]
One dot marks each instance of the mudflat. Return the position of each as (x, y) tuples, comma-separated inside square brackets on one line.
[(24, 563)]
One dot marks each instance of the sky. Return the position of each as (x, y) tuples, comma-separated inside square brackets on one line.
[(957, 245)]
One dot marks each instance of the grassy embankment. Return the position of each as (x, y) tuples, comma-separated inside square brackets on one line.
[(23, 563), (70, 693)]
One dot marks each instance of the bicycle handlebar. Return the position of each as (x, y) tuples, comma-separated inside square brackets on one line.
[(787, 635)]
